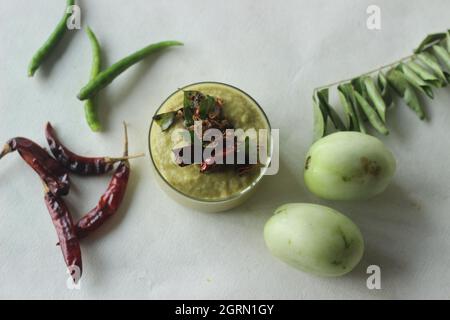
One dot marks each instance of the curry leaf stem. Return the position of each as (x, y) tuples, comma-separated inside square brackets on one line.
[(367, 73)]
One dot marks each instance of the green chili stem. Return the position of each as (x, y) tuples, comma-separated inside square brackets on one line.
[(367, 73)]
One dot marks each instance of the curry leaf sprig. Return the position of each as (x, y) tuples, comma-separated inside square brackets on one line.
[(366, 98)]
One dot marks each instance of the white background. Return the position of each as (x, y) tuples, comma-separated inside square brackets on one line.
[(277, 51)]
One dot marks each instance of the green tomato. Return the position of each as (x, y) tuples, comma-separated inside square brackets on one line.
[(348, 166), (314, 239)]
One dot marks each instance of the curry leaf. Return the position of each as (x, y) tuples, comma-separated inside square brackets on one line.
[(425, 75), (415, 80), (359, 86), (323, 108), (348, 102), (334, 117), (385, 89), (337, 122), (365, 98), (360, 116), (165, 120), (375, 96), (401, 85), (442, 54), (448, 40), (207, 105), (188, 107), (371, 114), (319, 121)]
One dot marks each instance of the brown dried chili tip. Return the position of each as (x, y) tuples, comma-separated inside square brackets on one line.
[(110, 201), (85, 166), (68, 240), (49, 170)]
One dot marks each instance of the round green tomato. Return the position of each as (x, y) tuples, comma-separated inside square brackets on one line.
[(348, 166), (314, 239)]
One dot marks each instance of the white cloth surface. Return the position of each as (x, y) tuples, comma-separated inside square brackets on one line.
[(277, 51)]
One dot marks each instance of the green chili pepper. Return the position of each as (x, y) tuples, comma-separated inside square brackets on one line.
[(90, 108), (375, 96), (107, 76), (48, 46), (371, 114)]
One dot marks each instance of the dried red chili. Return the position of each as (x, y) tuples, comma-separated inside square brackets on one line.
[(110, 201), (80, 165), (68, 240), (49, 170)]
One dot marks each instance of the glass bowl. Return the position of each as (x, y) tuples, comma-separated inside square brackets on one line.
[(207, 204)]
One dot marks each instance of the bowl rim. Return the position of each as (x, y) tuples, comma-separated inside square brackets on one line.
[(236, 195)]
